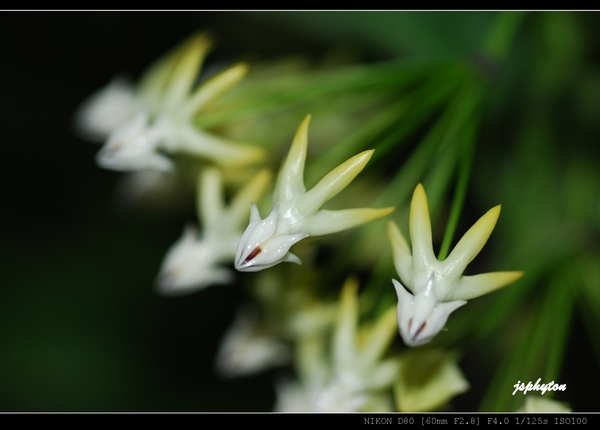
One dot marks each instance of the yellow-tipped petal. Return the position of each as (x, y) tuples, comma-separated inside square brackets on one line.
[(343, 342), (379, 337), (311, 358), (471, 243), (334, 182), (382, 375), (470, 287), (327, 222), (185, 70), (210, 198), (223, 152), (291, 177), (214, 88), (420, 230), (402, 257), (155, 79)]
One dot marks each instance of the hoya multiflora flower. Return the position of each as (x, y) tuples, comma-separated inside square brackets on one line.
[(353, 374), (249, 347), (143, 125), (287, 311), (296, 212), (195, 261), (431, 289)]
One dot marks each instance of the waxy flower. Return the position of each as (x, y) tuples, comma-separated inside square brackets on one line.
[(144, 125), (437, 288), (107, 110), (248, 347), (354, 374), (195, 261), (296, 213)]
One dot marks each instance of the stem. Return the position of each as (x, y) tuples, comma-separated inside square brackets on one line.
[(465, 166)]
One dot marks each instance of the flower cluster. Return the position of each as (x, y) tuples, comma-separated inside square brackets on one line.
[(342, 360)]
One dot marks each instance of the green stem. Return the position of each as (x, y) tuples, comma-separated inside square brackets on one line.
[(465, 166), (565, 296)]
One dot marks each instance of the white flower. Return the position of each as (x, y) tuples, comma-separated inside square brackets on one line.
[(353, 375), (421, 317), (438, 287), (296, 212), (265, 243), (247, 348), (193, 262), (145, 124), (134, 145), (107, 110), (295, 397)]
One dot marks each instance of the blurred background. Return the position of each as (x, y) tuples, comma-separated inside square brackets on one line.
[(81, 326)]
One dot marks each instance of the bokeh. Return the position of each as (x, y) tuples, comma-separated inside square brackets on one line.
[(82, 327)]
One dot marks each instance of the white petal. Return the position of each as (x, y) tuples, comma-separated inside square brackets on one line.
[(185, 71), (254, 214), (265, 243), (328, 222), (334, 182), (134, 147), (471, 244), (420, 231), (213, 88), (107, 110), (403, 261), (191, 265), (469, 287), (210, 199), (245, 349), (421, 317), (290, 183), (274, 252), (345, 330), (191, 140)]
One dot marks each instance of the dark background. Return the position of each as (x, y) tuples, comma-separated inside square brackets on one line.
[(81, 328)]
